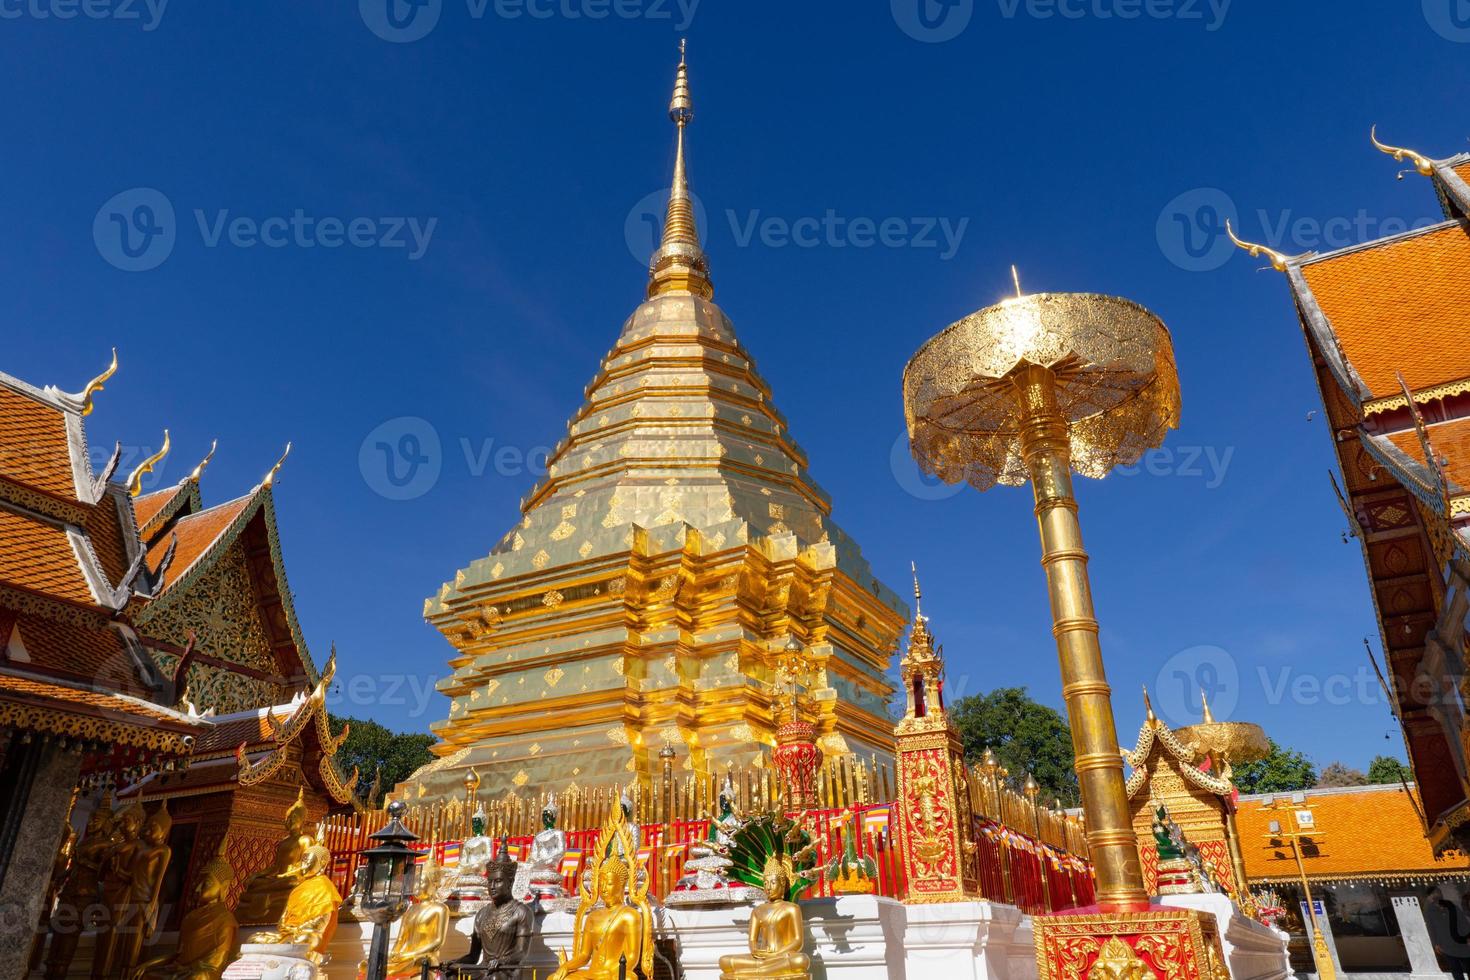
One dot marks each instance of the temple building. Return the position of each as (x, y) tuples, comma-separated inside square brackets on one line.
[(1386, 325), (1370, 867), (677, 551), (79, 686)]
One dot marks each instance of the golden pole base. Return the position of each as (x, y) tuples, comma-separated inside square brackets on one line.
[(1046, 450)]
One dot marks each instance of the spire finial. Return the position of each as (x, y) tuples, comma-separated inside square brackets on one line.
[(1016, 278), (270, 478), (1149, 706), (199, 470), (135, 479), (1277, 259), (1206, 717), (95, 385), (918, 595), (1421, 163), (679, 263)]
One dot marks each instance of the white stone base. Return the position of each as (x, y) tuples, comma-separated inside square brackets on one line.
[(855, 937), (1253, 951), (272, 961)]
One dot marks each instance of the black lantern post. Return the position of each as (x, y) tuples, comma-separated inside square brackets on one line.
[(390, 885)]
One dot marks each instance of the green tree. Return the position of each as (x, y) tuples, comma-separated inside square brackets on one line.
[(1387, 769), (371, 747), (1339, 774), (1026, 736), (1282, 771)]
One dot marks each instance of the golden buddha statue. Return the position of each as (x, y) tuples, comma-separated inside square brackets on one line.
[(78, 892), (264, 897), (207, 934), (145, 878), (612, 926), (115, 882), (423, 928), (310, 916), (777, 932)]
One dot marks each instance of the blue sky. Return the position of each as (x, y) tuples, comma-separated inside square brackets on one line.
[(445, 229)]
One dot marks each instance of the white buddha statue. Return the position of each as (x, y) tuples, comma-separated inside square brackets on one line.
[(466, 886), (548, 847)]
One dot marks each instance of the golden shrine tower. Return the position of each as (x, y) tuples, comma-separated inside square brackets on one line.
[(676, 549)]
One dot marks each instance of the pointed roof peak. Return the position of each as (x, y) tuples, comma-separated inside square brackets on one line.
[(679, 264)]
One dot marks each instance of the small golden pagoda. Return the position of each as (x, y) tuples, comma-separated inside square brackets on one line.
[(675, 550)]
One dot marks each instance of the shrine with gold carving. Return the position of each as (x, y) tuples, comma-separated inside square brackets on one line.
[(675, 724)]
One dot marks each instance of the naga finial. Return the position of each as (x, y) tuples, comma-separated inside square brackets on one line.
[(199, 470), (135, 479), (1421, 163), (1148, 706), (270, 477), (1277, 259), (95, 385)]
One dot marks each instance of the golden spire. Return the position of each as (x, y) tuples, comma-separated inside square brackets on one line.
[(679, 263), (1149, 706), (918, 596), (1207, 718), (1278, 260), (1016, 278), (199, 470), (270, 477), (95, 385), (135, 479), (1421, 163)]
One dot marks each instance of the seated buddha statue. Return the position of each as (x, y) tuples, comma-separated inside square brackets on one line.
[(423, 928), (310, 915), (777, 933), (609, 929), (266, 891), (709, 860), (548, 847), (468, 879), (207, 934)]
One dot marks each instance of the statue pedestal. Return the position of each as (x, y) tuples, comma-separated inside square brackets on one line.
[(273, 961), (1181, 943), (1253, 950)]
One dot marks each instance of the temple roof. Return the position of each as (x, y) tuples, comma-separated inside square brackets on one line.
[(1156, 735), (1367, 832)]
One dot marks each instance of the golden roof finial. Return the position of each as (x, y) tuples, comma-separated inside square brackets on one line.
[(1148, 706), (199, 470), (1278, 260), (135, 479), (1421, 163), (270, 477), (1016, 278), (679, 262), (1207, 718), (918, 596), (95, 385)]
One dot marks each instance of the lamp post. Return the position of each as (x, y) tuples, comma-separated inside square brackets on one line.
[(390, 884), (1031, 789), (1320, 952), (1029, 390)]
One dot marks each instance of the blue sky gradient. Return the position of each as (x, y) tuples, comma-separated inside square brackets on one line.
[(1097, 151)]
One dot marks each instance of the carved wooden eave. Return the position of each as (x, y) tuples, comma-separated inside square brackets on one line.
[(307, 718)]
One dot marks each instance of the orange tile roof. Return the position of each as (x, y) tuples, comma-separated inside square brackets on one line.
[(1365, 832), (93, 656), (146, 712), (105, 531), (148, 505), (1400, 305), (196, 533), (33, 446), (228, 734), (1451, 440), (36, 555)]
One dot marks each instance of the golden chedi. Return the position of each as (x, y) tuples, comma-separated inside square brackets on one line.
[(207, 934), (423, 928), (266, 891), (310, 915), (676, 542), (614, 923)]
